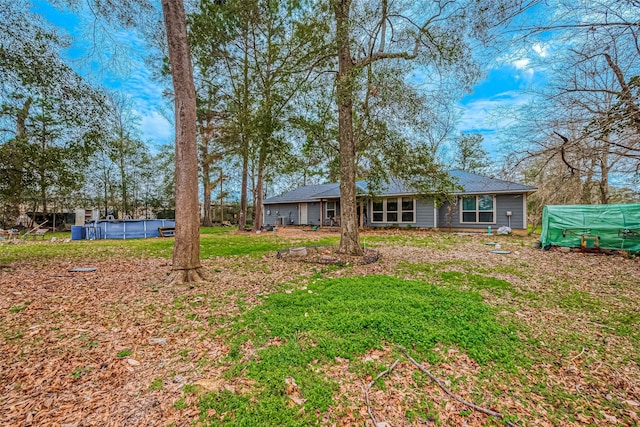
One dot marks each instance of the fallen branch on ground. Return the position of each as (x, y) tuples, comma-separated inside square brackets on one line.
[(453, 396), (366, 391)]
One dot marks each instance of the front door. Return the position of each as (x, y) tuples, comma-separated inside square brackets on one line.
[(303, 213)]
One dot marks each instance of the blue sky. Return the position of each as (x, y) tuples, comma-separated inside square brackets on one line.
[(130, 75), (508, 85), (480, 111)]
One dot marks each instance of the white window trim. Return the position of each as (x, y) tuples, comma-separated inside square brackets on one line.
[(525, 213), (415, 205), (334, 209), (384, 212), (398, 212), (462, 210)]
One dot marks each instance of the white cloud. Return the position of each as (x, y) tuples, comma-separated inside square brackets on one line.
[(541, 50), (490, 116), (484, 114), (521, 64), (156, 127)]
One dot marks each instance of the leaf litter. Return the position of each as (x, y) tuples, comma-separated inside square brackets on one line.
[(60, 364)]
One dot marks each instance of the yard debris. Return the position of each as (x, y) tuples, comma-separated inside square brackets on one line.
[(82, 270), (327, 256), (504, 230), (158, 341), (450, 393), (298, 252), (366, 391), (58, 365), (293, 392)]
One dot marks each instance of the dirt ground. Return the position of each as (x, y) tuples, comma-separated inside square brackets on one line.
[(110, 348)]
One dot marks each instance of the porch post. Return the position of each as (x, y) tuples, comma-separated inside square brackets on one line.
[(361, 214)]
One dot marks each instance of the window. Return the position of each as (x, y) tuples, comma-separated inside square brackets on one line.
[(378, 211), (408, 209), (394, 209), (331, 209), (478, 209)]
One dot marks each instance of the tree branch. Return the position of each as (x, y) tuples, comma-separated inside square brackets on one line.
[(366, 391), (453, 396)]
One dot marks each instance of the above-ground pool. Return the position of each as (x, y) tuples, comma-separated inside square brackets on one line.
[(122, 229)]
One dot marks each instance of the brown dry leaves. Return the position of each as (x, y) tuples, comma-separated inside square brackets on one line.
[(62, 333)]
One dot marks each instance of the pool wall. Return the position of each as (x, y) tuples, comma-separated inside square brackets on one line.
[(125, 229)]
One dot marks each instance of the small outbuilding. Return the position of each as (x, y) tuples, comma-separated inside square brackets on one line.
[(592, 226)]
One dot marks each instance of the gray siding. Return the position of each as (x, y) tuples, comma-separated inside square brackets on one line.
[(313, 213), (274, 213), (291, 212), (504, 203), (513, 203), (424, 216), (424, 213)]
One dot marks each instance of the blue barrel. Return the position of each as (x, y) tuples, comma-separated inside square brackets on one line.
[(77, 232)]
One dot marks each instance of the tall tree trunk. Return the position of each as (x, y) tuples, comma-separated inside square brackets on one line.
[(123, 177), (42, 170), (207, 220), (207, 186), (257, 221), (221, 198), (604, 171), (106, 195), (242, 215), (350, 238), (22, 116), (245, 140), (18, 159), (186, 249)]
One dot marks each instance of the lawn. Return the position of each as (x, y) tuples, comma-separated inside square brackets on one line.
[(543, 338)]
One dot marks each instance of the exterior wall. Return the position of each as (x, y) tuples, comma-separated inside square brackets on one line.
[(424, 216), (504, 202), (516, 203), (313, 213), (513, 203), (273, 214)]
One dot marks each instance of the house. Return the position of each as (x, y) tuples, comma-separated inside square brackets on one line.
[(483, 202)]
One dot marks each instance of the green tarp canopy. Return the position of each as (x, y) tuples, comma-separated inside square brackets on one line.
[(617, 226)]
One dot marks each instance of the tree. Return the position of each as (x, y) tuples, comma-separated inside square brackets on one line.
[(350, 238), (125, 150), (265, 54), (186, 250), (211, 153), (470, 156), (435, 36), (48, 114), (587, 121)]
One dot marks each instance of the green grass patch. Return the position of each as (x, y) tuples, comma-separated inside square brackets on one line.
[(156, 384), (18, 308), (214, 242), (580, 301), (476, 281), (81, 371), (124, 353), (346, 318), (433, 272), (443, 241)]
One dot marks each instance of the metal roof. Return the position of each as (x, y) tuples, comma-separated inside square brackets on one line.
[(476, 184), (307, 193), (472, 183)]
